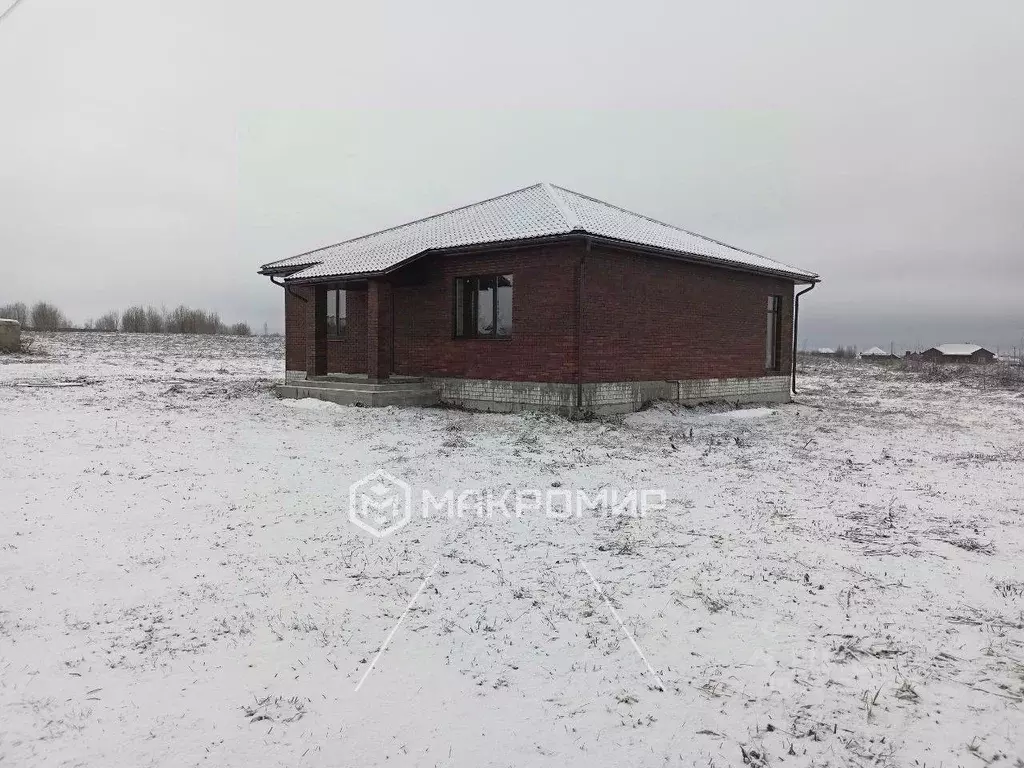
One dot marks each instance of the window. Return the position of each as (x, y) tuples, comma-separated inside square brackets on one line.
[(483, 307), (335, 311), (773, 339)]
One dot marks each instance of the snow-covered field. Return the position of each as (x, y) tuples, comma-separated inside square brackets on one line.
[(835, 582)]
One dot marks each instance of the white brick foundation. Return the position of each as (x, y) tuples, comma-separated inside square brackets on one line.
[(490, 395), (606, 397)]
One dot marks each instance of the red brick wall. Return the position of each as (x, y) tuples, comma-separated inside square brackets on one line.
[(645, 318), (316, 332), (295, 328), (542, 347), (380, 335), (654, 319)]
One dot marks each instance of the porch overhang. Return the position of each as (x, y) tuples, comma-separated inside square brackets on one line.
[(799, 278)]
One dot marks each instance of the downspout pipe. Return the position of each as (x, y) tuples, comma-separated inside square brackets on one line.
[(796, 323), (579, 329), (288, 289)]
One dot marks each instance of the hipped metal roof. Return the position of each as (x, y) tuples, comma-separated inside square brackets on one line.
[(542, 210)]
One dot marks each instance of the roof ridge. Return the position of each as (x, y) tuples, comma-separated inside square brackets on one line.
[(572, 221), (678, 228), (408, 223)]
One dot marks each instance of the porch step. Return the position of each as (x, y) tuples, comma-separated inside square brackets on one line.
[(361, 392), (359, 385), (393, 379)]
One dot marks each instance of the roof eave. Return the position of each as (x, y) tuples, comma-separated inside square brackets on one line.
[(697, 258), (277, 271), (694, 258), (473, 247)]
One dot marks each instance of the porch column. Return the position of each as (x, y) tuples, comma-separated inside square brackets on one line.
[(378, 329), (316, 332)]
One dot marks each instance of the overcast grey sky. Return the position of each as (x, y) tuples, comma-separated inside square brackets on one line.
[(160, 151)]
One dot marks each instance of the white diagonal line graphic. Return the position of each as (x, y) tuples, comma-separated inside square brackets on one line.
[(661, 685), (394, 629)]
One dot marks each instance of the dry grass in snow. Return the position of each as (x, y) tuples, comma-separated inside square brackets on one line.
[(833, 582)]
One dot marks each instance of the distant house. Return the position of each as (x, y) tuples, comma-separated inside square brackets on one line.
[(875, 352), (826, 351), (540, 298), (958, 353)]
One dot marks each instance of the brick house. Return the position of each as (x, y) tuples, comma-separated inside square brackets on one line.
[(973, 354), (540, 298)]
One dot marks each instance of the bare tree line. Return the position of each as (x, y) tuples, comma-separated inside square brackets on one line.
[(845, 352), (43, 316), (840, 352)]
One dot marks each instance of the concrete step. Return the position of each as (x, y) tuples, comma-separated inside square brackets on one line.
[(413, 394), (360, 385), (357, 377)]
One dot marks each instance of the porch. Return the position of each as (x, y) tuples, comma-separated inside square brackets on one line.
[(359, 389), (378, 385), (370, 338)]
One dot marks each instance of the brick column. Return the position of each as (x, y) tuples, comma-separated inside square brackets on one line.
[(316, 332), (378, 329)]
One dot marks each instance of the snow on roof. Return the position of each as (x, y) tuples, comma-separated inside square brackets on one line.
[(874, 352), (537, 211), (826, 351), (958, 349)]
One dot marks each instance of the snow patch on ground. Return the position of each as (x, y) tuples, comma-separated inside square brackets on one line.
[(312, 404), (832, 582), (663, 414)]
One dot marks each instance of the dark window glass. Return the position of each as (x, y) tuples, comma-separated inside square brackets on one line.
[(483, 307), (773, 336), (332, 313), (504, 298), (335, 311)]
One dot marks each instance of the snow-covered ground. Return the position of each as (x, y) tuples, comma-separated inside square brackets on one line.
[(835, 582)]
